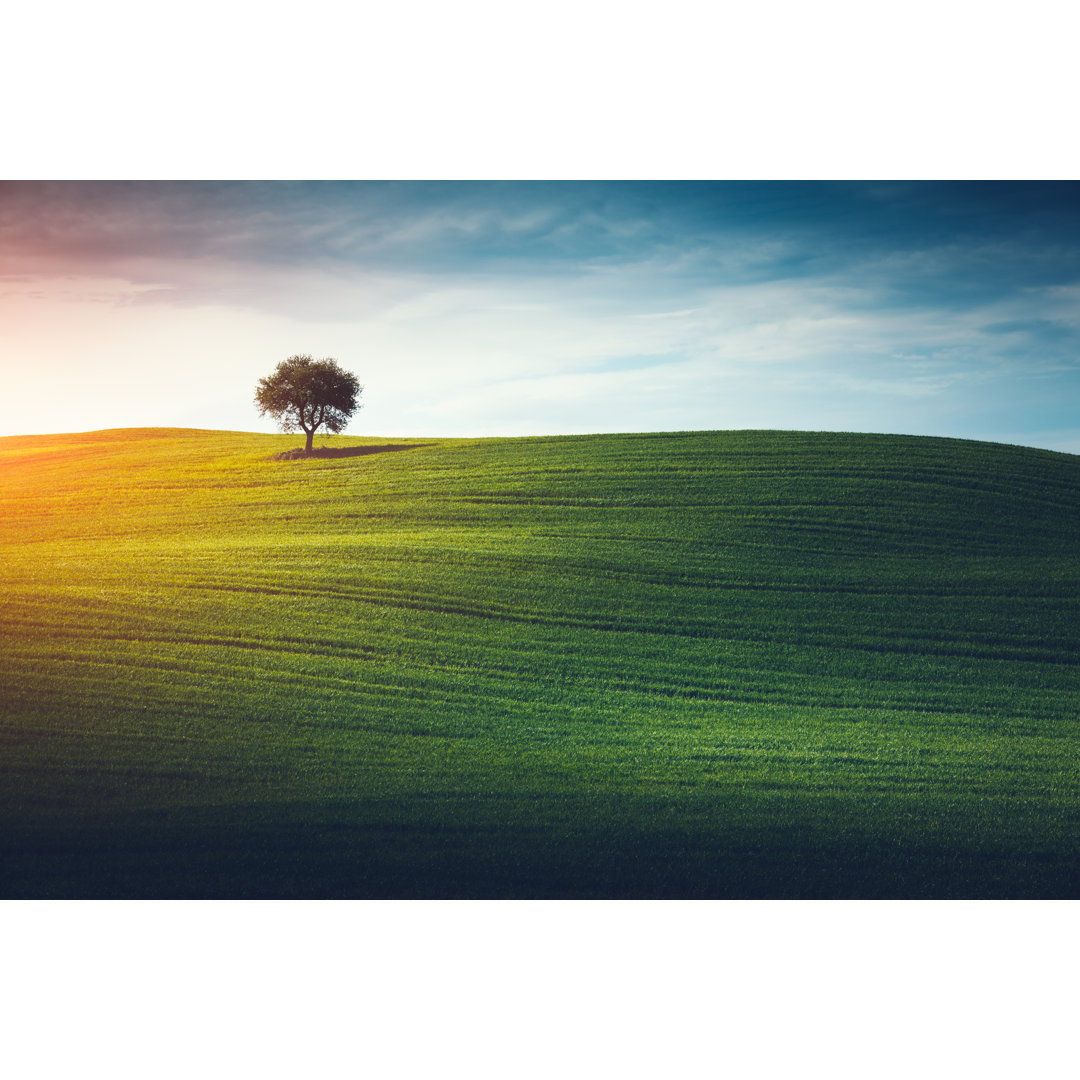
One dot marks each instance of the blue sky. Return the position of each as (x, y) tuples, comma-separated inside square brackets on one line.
[(545, 308)]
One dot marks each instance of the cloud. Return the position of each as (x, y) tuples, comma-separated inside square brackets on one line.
[(1044, 329), (494, 308), (670, 314)]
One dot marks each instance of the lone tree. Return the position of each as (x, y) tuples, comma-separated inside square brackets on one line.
[(305, 394)]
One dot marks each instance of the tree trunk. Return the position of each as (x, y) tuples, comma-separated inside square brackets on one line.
[(310, 435)]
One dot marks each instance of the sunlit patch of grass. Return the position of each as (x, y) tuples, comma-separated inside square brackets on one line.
[(696, 664)]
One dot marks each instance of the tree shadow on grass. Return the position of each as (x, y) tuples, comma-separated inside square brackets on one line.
[(299, 454)]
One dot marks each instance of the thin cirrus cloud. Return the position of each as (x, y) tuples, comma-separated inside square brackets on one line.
[(490, 308)]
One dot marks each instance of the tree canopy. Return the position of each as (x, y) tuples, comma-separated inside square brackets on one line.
[(304, 394)]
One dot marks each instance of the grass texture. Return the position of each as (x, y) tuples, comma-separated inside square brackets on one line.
[(728, 664)]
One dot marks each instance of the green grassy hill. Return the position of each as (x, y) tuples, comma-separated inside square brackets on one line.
[(733, 664)]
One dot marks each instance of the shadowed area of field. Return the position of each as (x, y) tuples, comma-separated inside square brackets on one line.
[(300, 454), (726, 664), (342, 850)]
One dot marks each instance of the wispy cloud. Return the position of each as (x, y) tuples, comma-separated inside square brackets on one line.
[(548, 307)]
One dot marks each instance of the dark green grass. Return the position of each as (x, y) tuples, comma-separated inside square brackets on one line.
[(746, 664)]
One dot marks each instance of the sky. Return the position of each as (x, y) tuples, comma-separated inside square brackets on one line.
[(521, 308)]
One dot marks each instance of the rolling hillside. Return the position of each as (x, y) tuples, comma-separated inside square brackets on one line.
[(728, 664)]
